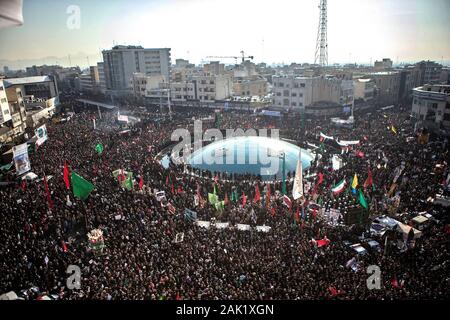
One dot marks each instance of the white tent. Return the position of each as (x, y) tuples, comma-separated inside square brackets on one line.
[(9, 296), (403, 228)]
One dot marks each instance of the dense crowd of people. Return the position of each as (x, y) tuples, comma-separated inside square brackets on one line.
[(142, 260)]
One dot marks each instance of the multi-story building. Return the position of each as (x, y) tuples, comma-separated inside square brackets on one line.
[(39, 87), (430, 72), (250, 86), (142, 84), (101, 77), (445, 76), (5, 114), (203, 88), (431, 106), (384, 64), (17, 110), (387, 86), (364, 89), (90, 80), (211, 87), (122, 61), (214, 67), (409, 79), (12, 114), (300, 92), (40, 96)]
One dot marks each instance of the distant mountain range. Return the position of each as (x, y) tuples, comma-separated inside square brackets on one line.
[(79, 59)]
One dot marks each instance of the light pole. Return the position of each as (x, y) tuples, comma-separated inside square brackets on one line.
[(282, 155)]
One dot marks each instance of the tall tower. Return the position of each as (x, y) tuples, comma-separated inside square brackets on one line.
[(321, 56)]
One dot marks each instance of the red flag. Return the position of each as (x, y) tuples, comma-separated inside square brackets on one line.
[(320, 178), (360, 154), (24, 185), (318, 183), (314, 213), (64, 247), (273, 211), (394, 282), (172, 189), (333, 291), (47, 191), (244, 199), (66, 176), (323, 242), (369, 180), (141, 183), (257, 194)]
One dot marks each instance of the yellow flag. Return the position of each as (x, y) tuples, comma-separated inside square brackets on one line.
[(393, 129), (355, 181)]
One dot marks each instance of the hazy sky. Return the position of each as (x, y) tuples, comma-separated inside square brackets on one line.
[(273, 31)]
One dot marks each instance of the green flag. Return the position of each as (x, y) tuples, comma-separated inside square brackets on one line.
[(213, 199), (81, 187), (215, 192), (220, 205), (99, 148), (362, 200), (128, 183)]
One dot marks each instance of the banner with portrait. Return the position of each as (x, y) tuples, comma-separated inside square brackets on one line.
[(21, 158)]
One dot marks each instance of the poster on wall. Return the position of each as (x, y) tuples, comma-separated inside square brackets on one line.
[(21, 159), (41, 134)]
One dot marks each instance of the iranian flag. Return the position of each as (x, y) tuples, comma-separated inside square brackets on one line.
[(339, 187), (287, 202)]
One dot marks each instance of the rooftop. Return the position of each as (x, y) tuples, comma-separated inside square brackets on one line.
[(27, 80)]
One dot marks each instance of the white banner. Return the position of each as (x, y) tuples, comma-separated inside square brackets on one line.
[(41, 134), (21, 159), (326, 137), (122, 118), (343, 143)]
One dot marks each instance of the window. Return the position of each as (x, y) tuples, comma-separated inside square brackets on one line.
[(286, 93), (285, 102), (302, 85), (294, 94), (294, 104)]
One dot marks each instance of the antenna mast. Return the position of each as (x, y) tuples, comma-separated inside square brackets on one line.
[(321, 56)]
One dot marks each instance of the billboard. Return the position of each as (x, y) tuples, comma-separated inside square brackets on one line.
[(41, 134), (21, 159)]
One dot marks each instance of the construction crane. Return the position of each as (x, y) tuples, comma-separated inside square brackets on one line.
[(243, 57)]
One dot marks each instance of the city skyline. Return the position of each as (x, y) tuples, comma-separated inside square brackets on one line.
[(404, 30)]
